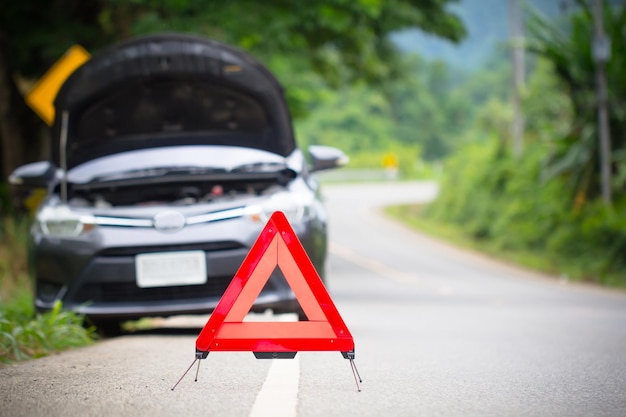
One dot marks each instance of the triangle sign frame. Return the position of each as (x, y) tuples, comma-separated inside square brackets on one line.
[(325, 330)]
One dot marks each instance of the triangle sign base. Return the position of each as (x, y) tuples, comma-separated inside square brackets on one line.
[(275, 355), (325, 330)]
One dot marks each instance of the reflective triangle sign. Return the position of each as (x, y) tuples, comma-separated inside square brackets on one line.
[(277, 245)]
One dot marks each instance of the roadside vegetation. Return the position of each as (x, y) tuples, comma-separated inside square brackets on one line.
[(24, 334), (544, 207), (512, 215)]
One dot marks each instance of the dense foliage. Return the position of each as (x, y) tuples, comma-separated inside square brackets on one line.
[(418, 120), (546, 202), (568, 47), (497, 198)]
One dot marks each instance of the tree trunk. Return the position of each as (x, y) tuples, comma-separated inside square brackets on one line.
[(10, 132)]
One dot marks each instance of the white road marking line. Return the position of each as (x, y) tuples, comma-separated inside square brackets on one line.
[(278, 396)]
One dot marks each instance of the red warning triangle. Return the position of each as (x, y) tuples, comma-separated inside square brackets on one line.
[(277, 245)]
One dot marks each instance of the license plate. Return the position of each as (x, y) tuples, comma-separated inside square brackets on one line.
[(167, 269)]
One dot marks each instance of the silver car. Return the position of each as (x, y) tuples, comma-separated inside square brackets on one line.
[(168, 154)]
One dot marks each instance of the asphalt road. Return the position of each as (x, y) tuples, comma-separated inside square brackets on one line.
[(438, 332)]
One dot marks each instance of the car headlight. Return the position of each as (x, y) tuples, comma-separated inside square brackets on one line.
[(61, 221), (294, 207)]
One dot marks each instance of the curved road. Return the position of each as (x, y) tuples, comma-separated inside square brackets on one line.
[(438, 332)]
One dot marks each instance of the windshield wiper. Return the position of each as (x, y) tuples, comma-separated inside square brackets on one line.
[(150, 173), (261, 167)]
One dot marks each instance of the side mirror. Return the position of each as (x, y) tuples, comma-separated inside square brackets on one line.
[(326, 157), (34, 175)]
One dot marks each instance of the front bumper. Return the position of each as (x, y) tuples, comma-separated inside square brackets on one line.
[(97, 277)]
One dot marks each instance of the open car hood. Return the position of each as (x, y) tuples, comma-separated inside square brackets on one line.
[(168, 90)]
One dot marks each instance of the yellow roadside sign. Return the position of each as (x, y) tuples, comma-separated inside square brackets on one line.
[(41, 97)]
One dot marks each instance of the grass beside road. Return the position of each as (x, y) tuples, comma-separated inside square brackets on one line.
[(23, 333), (410, 215)]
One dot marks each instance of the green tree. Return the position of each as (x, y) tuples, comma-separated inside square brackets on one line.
[(425, 109), (568, 47), (521, 206), (354, 119)]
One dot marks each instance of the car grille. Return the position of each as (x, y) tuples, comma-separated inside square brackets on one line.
[(135, 250), (130, 292)]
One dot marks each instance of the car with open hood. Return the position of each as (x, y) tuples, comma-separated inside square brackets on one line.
[(168, 153)]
